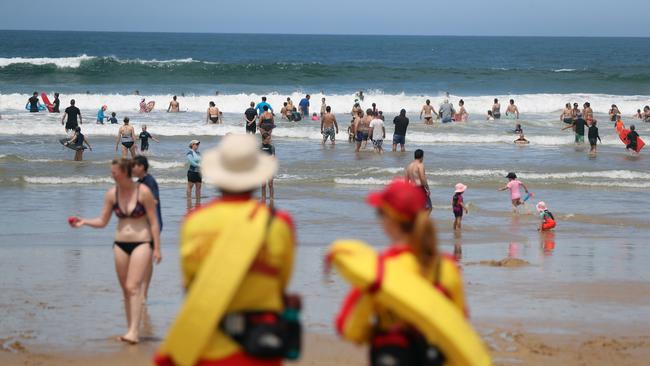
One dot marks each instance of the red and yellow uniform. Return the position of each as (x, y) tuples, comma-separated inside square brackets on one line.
[(263, 286), (361, 317)]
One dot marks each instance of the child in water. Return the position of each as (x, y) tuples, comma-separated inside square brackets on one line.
[(113, 119), (548, 221), (594, 137), (632, 139), (514, 185), (458, 206), (520, 131), (314, 117), (490, 117), (144, 139)]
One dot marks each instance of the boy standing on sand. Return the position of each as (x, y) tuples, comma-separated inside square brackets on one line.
[(514, 185)]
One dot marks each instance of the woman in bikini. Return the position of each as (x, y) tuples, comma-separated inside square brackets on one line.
[(137, 238), (126, 136), (213, 115)]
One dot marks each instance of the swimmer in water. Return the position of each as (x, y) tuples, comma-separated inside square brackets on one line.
[(512, 112), (416, 174), (126, 136), (100, 115), (174, 106), (214, 115), (428, 112), (594, 137), (144, 139), (77, 141)]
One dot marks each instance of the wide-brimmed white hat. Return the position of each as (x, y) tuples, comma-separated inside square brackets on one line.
[(237, 164)]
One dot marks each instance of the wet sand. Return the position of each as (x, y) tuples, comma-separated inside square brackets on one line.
[(522, 323), (509, 345)]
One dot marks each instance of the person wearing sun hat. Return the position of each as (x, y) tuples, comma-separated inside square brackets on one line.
[(457, 205), (405, 220), (194, 178), (237, 168), (548, 221)]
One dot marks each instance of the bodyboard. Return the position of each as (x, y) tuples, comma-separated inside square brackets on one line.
[(46, 101), (623, 136)]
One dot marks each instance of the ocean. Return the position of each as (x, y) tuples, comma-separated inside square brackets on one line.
[(601, 202)]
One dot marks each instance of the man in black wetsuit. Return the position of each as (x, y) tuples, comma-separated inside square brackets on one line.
[(56, 103), (33, 103), (71, 114)]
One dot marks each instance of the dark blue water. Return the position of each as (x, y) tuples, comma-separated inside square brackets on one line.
[(203, 63)]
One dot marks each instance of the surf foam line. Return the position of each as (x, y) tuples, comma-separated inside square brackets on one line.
[(340, 103)]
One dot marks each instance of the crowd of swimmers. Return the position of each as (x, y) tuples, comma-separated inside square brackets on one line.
[(368, 125)]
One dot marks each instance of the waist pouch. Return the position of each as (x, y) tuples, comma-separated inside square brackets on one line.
[(265, 335), (403, 348)]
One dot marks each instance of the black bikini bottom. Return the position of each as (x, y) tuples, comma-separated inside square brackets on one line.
[(129, 247)]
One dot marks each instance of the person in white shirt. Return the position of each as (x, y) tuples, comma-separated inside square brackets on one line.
[(378, 133)]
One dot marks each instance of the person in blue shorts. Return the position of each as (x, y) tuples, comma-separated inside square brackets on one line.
[(401, 123)]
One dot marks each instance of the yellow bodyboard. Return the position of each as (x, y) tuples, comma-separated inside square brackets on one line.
[(213, 288), (414, 300)]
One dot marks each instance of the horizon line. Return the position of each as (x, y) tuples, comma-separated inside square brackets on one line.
[(330, 34)]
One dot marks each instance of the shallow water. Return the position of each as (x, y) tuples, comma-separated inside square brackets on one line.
[(61, 285)]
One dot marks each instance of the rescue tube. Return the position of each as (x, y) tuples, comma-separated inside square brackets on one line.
[(412, 298)]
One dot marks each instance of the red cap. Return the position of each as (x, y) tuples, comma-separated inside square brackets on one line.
[(400, 199)]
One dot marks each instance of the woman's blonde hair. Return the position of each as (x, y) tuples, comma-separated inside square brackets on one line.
[(423, 239), (125, 165)]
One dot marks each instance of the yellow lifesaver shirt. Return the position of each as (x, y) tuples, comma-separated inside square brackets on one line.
[(265, 283), (360, 316)]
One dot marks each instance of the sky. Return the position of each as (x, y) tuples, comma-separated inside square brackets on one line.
[(402, 17)]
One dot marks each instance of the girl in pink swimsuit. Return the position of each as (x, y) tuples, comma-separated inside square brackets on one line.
[(514, 186)]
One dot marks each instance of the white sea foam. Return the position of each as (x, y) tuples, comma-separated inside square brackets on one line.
[(616, 175), (67, 180), (340, 103), (160, 165), (53, 180), (361, 182), (69, 62)]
